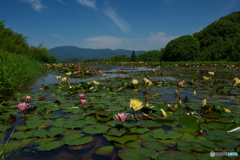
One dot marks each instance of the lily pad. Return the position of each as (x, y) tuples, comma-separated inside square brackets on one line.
[(122, 140), (46, 145)]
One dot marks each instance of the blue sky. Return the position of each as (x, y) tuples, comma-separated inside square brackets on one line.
[(116, 24)]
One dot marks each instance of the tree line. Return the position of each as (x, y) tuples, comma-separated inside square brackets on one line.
[(14, 42)]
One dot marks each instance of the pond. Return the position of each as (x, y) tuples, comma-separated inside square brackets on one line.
[(170, 124)]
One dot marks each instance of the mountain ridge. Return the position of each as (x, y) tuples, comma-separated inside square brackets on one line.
[(67, 52)]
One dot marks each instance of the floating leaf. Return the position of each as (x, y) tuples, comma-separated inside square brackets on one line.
[(104, 151), (46, 146), (234, 131), (161, 134), (123, 139)]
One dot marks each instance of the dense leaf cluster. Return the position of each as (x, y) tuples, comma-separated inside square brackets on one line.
[(218, 41), (13, 42)]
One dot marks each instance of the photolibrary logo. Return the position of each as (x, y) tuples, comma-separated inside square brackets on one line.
[(212, 154)]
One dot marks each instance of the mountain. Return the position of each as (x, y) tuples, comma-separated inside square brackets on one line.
[(67, 52)]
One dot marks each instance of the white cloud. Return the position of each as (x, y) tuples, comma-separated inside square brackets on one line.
[(103, 42), (60, 37), (154, 42), (122, 24), (158, 39), (36, 4), (88, 3)]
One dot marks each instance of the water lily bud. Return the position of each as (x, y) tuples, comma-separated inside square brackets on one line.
[(175, 106), (226, 110), (147, 104), (180, 103), (194, 92), (163, 113), (176, 92), (204, 102)]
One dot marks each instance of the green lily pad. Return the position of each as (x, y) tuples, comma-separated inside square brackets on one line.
[(54, 131), (116, 132), (122, 140), (96, 129), (139, 130), (177, 155), (134, 144), (228, 143), (234, 131), (150, 124), (216, 135), (105, 150), (154, 145), (190, 123), (46, 145), (147, 137), (138, 154), (214, 125), (19, 135), (40, 133), (161, 134)]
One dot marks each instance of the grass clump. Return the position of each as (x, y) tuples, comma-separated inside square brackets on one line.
[(15, 71)]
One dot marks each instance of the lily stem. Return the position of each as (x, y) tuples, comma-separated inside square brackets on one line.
[(134, 116)]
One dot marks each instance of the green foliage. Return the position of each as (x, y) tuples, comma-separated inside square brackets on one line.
[(218, 41), (133, 57), (13, 42), (151, 56), (16, 70), (119, 58), (182, 49)]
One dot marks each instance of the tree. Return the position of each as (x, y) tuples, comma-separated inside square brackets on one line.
[(133, 57)]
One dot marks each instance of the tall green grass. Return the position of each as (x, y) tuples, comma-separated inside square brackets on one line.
[(15, 71)]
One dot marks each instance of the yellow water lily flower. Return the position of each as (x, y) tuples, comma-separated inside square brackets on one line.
[(194, 92), (236, 81), (64, 80), (205, 78), (204, 102), (134, 81), (211, 73), (57, 78), (135, 104), (95, 83), (41, 89), (68, 74), (145, 80), (149, 83), (147, 104)]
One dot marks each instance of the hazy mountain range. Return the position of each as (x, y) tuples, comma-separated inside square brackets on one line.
[(67, 52)]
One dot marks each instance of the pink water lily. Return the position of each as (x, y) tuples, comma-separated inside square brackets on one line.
[(99, 71), (84, 101), (28, 98), (104, 75), (121, 117), (180, 84), (81, 96), (23, 106)]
